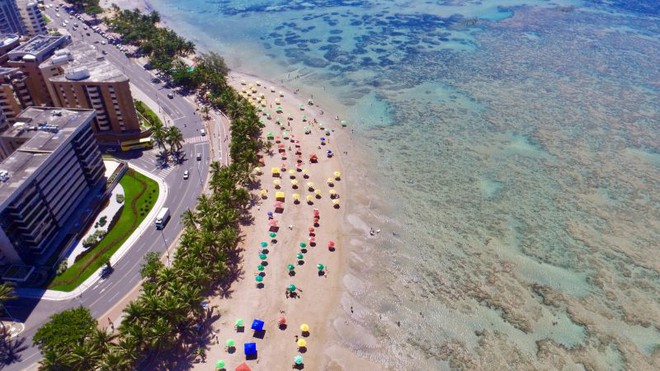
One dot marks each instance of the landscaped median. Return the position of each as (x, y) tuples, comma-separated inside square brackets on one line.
[(141, 193)]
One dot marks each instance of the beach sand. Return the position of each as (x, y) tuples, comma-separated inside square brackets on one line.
[(322, 301), (318, 296)]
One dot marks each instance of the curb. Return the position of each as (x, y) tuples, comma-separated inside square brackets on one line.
[(55, 295)]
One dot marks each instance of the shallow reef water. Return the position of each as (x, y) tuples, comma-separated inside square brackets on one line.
[(512, 150)]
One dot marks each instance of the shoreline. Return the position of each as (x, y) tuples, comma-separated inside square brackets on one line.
[(327, 352)]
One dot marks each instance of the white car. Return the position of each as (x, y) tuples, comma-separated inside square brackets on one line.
[(103, 42), (186, 174)]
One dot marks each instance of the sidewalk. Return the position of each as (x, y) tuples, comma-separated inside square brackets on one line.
[(132, 239)]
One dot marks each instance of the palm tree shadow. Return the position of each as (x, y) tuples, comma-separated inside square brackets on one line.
[(10, 349)]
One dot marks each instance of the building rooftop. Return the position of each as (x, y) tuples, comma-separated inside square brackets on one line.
[(38, 47), (7, 70), (44, 130), (85, 63), (8, 39)]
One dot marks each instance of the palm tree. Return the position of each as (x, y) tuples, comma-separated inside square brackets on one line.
[(174, 138), (205, 112), (189, 219), (158, 134), (6, 293)]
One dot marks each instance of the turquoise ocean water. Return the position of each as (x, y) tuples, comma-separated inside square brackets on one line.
[(511, 150)]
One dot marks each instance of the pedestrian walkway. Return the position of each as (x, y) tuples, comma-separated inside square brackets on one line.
[(165, 172), (197, 139)]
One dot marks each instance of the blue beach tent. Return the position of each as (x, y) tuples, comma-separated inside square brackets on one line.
[(250, 349), (257, 325)]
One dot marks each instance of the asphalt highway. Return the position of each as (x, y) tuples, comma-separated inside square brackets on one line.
[(182, 195)]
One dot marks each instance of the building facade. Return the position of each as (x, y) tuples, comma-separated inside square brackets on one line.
[(80, 77), (10, 18), (51, 166), (33, 20), (27, 57)]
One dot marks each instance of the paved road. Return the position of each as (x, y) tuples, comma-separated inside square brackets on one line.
[(182, 195)]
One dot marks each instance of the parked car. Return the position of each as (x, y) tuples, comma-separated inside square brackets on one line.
[(186, 174)]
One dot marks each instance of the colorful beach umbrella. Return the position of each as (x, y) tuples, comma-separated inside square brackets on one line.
[(320, 267), (239, 322), (304, 327), (273, 234), (260, 268), (259, 279), (230, 343), (302, 343), (264, 244), (290, 267), (220, 364), (263, 256), (298, 360), (300, 256), (303, 245), (292, 287)]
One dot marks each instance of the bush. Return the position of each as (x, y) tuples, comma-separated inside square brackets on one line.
[(64, 264), (120, 198), (103, 221)]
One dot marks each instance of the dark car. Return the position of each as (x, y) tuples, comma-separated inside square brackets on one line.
[(170, 95)]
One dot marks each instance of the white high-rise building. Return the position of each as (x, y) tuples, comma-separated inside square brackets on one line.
[(34, 21)]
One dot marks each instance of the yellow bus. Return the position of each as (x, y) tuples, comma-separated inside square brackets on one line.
[(143, 143)]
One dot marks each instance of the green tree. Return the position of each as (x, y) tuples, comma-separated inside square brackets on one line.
[(69, 340), (152, 265), (174, 139)]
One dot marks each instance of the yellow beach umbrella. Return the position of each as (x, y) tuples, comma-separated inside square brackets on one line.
[(304, 327), (257, 170), (309, 198), (279, 196), (317, 192), (310, 185), (277, 182), (331, 182), (275, 171), (294, 182), (292, 173), (335, 202), (333, 192), (305, 171), (302, 343), (337, 175), (277, 100), (272, 89), (264, 193), (296, 196)]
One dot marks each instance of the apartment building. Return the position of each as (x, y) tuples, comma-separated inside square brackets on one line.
[(33, 20), (51, 167), (79, 76), (10, 18), (27, 57)]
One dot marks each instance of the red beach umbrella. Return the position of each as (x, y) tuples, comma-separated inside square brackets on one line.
[(316, 213), (331, 244)]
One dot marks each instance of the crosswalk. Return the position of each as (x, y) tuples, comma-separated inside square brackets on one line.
[(197, 139), (163, 173)]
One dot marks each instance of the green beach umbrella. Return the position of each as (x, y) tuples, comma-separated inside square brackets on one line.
[(260, 268), (264, 244), (258, 279), (300, 256), (220, 364), (320, 267), (303, 245), (239, 322), (231, 343), (291, 267), (273, 234), (263, 256), (304, 117), (298, 360), (292, 287), (344, 123), (270, 135)]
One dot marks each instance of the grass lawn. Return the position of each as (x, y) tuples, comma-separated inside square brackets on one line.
[(141, 194)]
